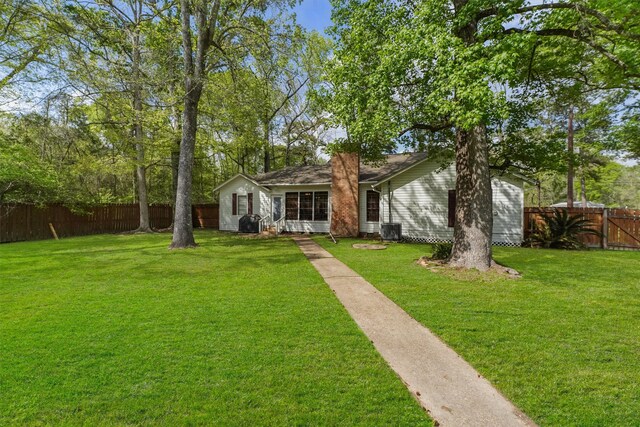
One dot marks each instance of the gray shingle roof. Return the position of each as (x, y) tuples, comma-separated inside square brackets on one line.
[(321, 174), (395, 163), (313, 174)]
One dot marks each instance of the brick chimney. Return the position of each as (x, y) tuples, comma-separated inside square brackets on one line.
[(345, 174)]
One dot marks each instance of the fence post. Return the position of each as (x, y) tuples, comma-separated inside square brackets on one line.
[(605, 228)]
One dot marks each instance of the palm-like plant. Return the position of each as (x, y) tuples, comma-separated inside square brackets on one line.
[(561, 231)]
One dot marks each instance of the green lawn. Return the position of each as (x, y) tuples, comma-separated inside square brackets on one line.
[(563, 342), (119, 330)]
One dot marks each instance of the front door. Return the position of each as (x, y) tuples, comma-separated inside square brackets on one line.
[(277, 207)]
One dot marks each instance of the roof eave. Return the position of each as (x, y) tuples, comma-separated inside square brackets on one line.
[(390, 177), (247, 177), (296, 184)]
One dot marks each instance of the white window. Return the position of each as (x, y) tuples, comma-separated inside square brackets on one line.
[(242, 204)]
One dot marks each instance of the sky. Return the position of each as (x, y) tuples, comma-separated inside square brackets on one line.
[(314, 14)]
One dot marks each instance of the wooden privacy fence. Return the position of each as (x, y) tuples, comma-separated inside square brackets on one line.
[(206, 216), (619, 228), (29, 222)]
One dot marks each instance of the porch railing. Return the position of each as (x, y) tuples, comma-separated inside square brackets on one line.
[(264, 223), (268, 221), (279, 224)]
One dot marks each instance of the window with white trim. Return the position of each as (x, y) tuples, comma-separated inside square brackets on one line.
[(373, 206), (307, 205), (242, 204)]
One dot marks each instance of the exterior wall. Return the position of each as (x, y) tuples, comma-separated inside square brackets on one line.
[(367, 227), (345, 174), (419, 201), (241, 186), (302, 226), (508, 210)]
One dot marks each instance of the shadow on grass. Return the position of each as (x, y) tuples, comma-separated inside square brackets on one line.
[(149, 254)]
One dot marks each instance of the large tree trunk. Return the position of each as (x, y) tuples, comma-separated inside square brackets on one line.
[(176, 127), (141, 178), (474, 207), (182, 220), (175, 157), (194, 73), (175, 167), (141, 173), (473, 226)]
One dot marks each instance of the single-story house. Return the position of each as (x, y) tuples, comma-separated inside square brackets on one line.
[(348, 198)]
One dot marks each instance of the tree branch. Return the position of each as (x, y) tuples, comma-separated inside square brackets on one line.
[(601, 17), (421, 126), (576, 35)]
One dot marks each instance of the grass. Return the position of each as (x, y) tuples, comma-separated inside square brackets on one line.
[(110, 330), (563, 342)]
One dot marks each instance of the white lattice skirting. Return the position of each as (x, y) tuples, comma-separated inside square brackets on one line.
[(415, 239)]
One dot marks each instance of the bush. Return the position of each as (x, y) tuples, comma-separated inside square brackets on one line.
[(442, 250), (561, 231)]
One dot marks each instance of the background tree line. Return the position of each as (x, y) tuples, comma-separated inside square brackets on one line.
[(93, 99), (161, 100)]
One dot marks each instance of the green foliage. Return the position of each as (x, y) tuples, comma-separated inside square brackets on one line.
[(441, 250), (24, 177), (86, 132), (264, 109), (561, 231), (625, 191), (61, 147), (627, 134), (402, 67), (29, 31), (611, 183)]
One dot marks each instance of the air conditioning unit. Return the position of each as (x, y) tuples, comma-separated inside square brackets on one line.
[(391, 231)]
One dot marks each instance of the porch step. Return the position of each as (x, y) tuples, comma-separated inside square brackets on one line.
[(269, 231)]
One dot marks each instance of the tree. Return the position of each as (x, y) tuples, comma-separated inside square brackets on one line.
[(195, 69), (24, 177), (87, 168), (109, 38), (452, 68), (264, 111), (24, 37), (281, 77), (627, 133), (217, 28)]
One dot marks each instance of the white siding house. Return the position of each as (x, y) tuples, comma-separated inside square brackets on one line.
[(242, 186), (303, 226), (410, 189), (420, 202)]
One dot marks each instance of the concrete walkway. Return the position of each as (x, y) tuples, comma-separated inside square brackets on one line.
[(451, 391)]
